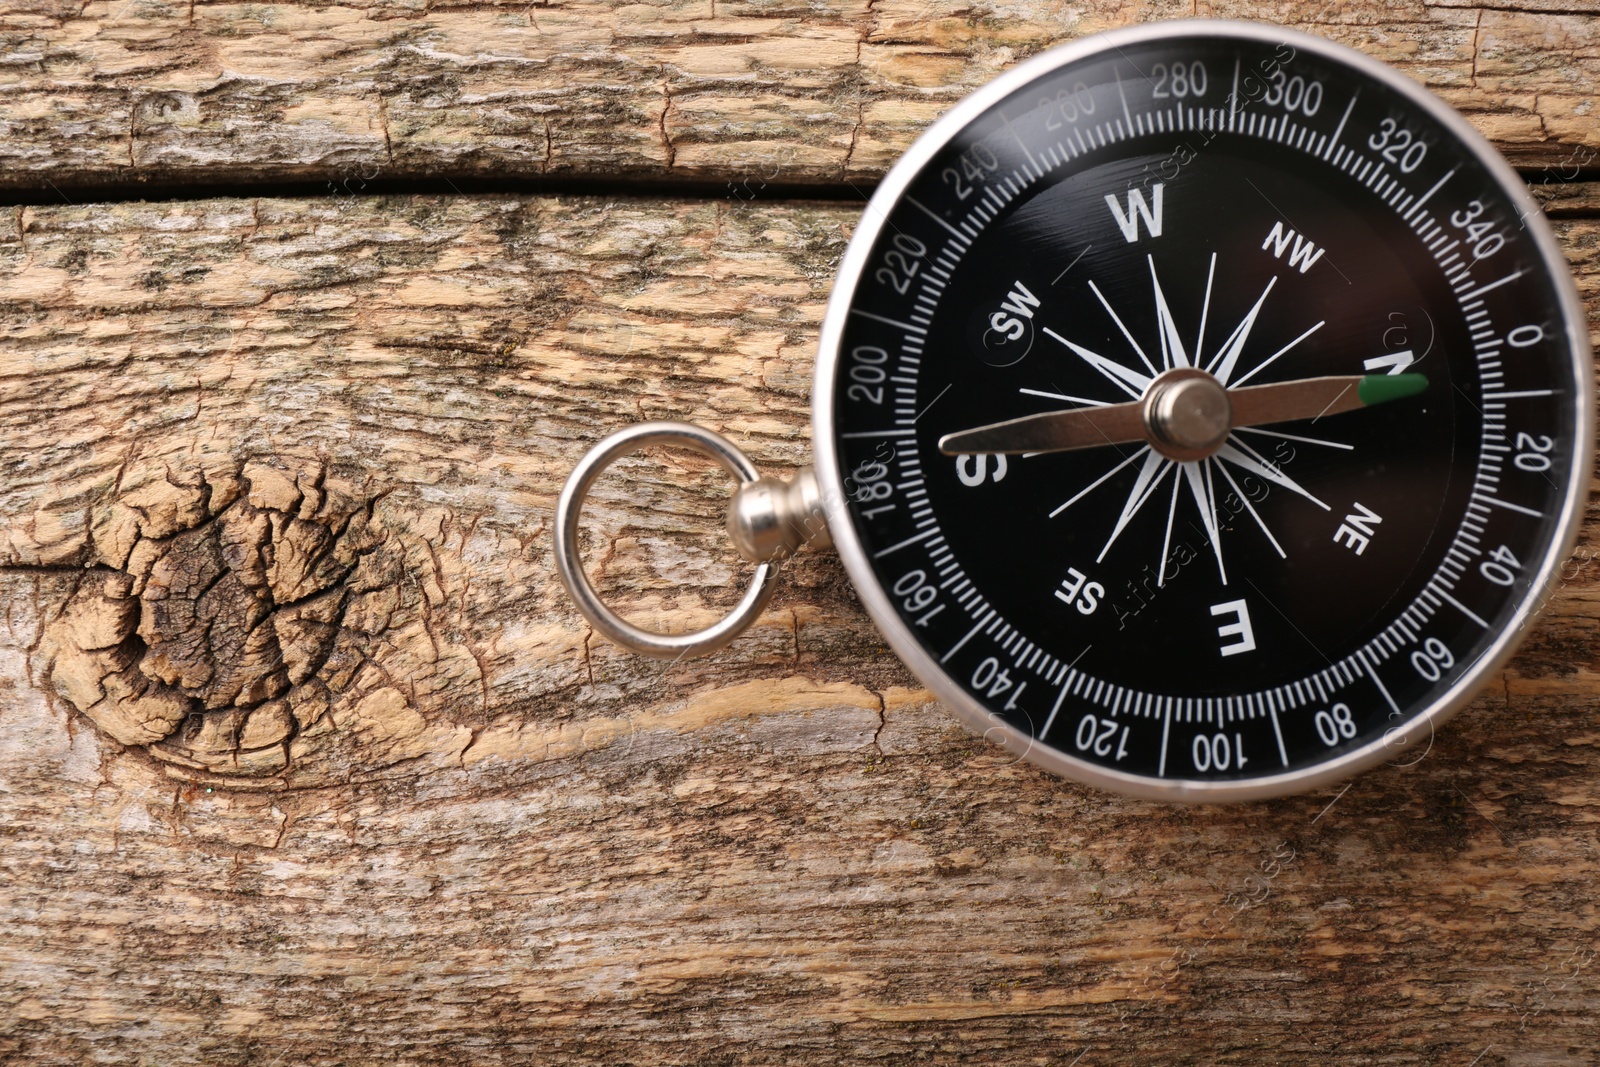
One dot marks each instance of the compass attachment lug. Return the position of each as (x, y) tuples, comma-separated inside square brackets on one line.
[(771, 519)]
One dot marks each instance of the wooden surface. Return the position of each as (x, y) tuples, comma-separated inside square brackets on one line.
[(293, 459), (103, 93)]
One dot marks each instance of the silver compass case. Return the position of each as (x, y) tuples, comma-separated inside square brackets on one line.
[(1374, 101)]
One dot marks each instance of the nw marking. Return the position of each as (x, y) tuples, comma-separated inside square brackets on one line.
[(1304, 255)]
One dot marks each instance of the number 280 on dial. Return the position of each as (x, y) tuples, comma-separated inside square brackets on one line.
[(1202, 411)]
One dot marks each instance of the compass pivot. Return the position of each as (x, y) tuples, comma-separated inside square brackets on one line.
[(1187, 414)]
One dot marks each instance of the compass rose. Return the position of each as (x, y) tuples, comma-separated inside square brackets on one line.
[(1191, 414)]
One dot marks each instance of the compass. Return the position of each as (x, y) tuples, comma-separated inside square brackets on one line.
[(1201, 412)]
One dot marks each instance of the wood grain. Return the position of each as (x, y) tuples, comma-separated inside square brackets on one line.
[(455, 827), (747, 94)]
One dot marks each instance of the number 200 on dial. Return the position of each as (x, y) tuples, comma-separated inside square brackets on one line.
[(1202, 411)]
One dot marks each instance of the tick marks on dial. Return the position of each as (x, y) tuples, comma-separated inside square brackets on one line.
[(1334, 140), (1358, 591), (962, 238), (896, 323)]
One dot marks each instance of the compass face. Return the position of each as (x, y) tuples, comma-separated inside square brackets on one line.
[(1202, 410)]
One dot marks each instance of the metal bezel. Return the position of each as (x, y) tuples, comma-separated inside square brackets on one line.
[(1404, 739)]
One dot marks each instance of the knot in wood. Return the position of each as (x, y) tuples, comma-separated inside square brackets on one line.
[(209, 644)]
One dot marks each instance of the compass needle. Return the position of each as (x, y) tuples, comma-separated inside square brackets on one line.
[(1099, 424), (1358, 379)]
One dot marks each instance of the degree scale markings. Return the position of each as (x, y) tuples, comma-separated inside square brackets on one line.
[(1391, 191)]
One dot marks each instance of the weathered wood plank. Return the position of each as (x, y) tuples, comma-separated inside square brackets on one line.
[(453, 825), (118, 92)]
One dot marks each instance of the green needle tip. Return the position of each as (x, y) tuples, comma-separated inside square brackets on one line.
[(1379, 388)]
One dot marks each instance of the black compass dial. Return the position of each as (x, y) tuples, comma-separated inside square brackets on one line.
[(1208, 411)]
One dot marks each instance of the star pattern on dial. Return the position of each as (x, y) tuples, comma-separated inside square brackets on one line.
[(1206, 480)]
